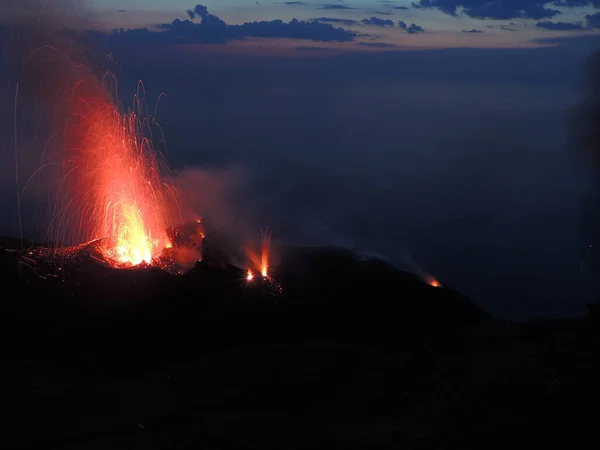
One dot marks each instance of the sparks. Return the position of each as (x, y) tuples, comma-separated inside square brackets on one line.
[(113, 183), (260, 261)]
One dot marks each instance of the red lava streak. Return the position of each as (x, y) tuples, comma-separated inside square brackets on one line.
[(260, 262), (265, 253), (114, 183)]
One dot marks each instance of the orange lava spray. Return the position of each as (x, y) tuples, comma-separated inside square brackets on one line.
[(265, 252), (113, 183), (105, 179), (431, 281), (435, 283), (260, 261)]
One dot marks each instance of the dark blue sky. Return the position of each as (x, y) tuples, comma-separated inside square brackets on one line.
[(458, 159)]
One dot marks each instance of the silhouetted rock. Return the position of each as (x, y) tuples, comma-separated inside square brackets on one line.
[(322, 292), (340, 351)]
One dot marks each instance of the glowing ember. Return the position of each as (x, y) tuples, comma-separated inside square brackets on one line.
[(433, 282), (113, 183)]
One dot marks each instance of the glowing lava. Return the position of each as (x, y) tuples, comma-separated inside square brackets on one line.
[(260, 261), (265, 253), (433, 282), (249, 276), (114, 184)]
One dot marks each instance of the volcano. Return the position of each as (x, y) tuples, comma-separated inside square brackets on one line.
[(339, 349), (313, 292)]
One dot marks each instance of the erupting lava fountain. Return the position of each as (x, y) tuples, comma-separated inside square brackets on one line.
[(260, 262), (113, 186), (265, 253)]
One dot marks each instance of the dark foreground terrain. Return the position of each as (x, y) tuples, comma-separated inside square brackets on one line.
[(338, 352)]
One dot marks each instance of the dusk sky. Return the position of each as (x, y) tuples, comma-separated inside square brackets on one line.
[(438, 23), (426, 134)]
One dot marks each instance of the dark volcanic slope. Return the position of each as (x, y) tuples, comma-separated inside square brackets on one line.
[(349, 354), (489, 387), (141, 317)]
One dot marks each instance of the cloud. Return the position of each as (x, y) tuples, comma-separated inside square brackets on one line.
[(472, 31), (336, 20), (377, 44), (560, 26), (576, 3), (206, 28), (333, 6), (500, 9), (304, 48), (378, 22), (593, 20), (375, 21), (412, 29), (390, 4), (198, 11)]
